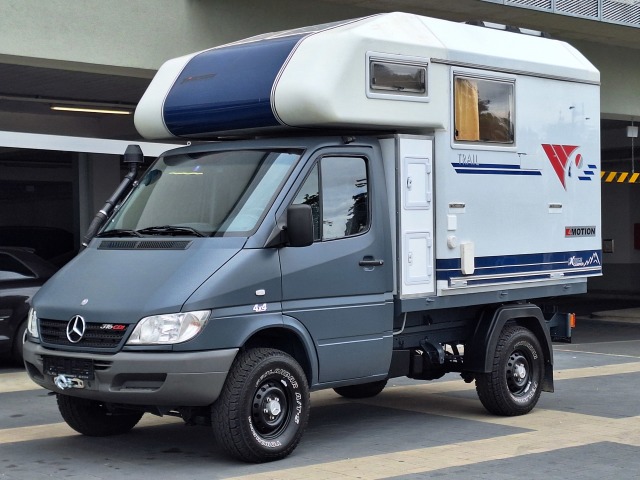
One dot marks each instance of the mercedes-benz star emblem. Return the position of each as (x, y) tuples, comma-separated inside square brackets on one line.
[(76, 328)]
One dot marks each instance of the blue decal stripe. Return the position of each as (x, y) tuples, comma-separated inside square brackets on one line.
[(492, 169), (484, 165), (542, 276), (514, 260), (506, 270), (509, 265), (585, 178), (594, 167), (227, 88), (498, 172)]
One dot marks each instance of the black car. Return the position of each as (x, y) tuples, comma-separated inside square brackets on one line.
[(22, 273)]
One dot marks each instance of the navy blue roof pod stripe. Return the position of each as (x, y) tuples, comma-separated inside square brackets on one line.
[(228, 88)]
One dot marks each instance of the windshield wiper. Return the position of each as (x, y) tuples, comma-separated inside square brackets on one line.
[(169, 230), (119, 232)]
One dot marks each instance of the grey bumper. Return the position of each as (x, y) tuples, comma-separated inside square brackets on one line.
[(142, 378)]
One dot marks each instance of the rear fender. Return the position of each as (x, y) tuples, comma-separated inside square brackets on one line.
[(479, 358)]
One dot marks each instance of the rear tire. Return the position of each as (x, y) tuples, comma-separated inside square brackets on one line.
[(513, 386), (363, 390), (91, 418), (263, 409)]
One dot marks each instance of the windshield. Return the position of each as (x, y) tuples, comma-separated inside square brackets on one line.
[(203, 194)]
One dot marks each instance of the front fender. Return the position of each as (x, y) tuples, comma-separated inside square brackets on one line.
[(309, 346), (231, 330), (236, 331)]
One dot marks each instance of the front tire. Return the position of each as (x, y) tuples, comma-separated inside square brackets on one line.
[(93, 419), (513, 386), (263, 409)]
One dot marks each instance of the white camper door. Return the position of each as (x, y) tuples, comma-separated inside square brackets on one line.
[(416, 243)]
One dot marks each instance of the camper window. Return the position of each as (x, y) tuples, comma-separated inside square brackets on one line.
[(396, 77), (483, 110)]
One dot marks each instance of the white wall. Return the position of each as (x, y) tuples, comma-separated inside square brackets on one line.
[(620, 77), (134, 37)]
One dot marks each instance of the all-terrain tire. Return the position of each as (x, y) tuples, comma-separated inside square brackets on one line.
[(363, 390), (513, 386), (263, 408), (91, 418)]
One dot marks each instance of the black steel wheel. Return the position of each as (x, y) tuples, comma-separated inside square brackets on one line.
[(93, 419), (263, 409), (363, 390), (513, 386)]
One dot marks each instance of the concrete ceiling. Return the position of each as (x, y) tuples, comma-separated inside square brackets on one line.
[(27, 88)]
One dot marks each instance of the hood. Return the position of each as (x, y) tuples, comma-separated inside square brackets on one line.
[(122, 280)]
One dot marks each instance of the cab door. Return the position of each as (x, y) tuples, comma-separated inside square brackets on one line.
[(340, 286)]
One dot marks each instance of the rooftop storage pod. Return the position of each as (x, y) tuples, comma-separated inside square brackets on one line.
[(290, 80)]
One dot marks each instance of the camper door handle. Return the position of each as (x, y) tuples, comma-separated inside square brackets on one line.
[(371, 262)]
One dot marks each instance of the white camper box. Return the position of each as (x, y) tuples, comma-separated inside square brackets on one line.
[(474, 214)]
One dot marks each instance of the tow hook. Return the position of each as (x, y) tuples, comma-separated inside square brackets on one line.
[(63, 382)]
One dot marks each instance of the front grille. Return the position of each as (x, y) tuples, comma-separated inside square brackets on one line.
[(54, 332)]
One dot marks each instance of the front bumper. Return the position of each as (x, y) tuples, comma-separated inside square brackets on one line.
[(166, 379)]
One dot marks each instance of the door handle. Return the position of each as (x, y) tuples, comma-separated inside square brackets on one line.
[(370, 262)]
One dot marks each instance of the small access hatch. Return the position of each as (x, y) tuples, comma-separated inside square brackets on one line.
[(416, 216)]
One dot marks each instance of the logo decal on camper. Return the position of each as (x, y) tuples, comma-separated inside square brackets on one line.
[(575, 261), (589, 231), (567, 162)]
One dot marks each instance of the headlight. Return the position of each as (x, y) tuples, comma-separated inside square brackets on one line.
[(168, 328), (32, 323)]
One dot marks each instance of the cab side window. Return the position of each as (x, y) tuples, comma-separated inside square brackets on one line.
[(338, 193)]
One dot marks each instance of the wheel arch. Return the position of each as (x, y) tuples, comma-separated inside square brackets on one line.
[(292, 339), (492, 321), (268, 329)]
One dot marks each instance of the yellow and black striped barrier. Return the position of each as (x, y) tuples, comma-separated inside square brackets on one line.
[(619, 177)]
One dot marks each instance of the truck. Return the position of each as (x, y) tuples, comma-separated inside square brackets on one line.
[(389, 196)]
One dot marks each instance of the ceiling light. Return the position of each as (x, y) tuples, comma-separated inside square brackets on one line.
[(109, 111)]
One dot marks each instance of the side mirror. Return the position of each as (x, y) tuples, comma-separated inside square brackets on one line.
[(299, 225)]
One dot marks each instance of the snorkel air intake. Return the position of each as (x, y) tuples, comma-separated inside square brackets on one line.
[(133, 157)]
